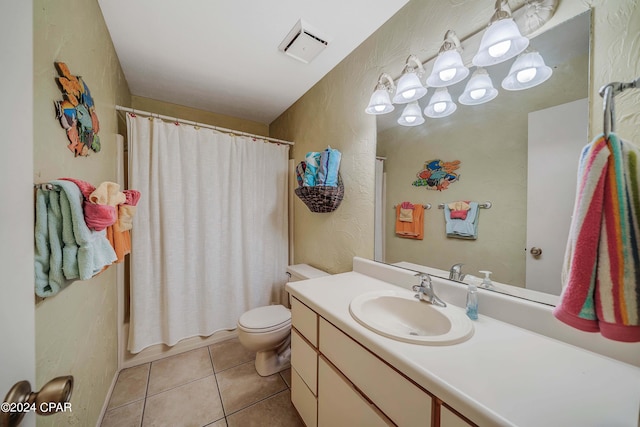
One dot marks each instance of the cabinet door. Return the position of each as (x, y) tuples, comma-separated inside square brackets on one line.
[(450, 419), (401, 400), (340, 404), (303, 400), (304, 360)]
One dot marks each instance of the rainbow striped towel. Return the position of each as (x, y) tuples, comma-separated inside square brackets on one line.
[(601, 276)]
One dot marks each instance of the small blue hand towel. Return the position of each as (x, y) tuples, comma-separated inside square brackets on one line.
[(462, 228), (312, 160)]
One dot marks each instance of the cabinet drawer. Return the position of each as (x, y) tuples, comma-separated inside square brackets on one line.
[(305, 321), (401, 400), (340, 404), (304, 359), (303, 400)]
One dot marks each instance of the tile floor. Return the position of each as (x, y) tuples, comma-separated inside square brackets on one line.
[(215, 386)]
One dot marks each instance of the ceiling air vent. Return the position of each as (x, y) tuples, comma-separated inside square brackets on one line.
[(303, 42)]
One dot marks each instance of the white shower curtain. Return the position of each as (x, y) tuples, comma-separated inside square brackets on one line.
[(209, 238)]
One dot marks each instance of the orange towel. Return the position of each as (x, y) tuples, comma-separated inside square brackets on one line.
[(120, 240), (411, 230)]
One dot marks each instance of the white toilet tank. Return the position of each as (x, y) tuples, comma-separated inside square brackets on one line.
[(300, 272)]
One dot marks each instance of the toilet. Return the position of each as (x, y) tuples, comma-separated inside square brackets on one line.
[(267, 330)]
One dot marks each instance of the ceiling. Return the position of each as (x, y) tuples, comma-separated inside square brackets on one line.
[(222, 55)]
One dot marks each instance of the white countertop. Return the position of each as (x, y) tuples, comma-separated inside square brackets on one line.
[(503, 375)]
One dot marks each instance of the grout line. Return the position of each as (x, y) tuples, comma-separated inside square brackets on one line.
[(261, 400), (224, 411), (181, 385), (146, 391)]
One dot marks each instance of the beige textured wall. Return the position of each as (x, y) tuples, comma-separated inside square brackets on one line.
[(76, 329), (332, 112), (200, 116)]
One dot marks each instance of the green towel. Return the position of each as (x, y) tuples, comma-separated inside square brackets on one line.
[(65, 248)]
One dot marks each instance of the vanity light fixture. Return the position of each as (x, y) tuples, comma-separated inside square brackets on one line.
[(440, 104), (528, 70), (448, 68), (501, 40), (479, 89), (409, 86), (411, 115), (380, 102)]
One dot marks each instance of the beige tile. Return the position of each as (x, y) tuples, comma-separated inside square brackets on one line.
[(242, 386), (274, 411), (125, 416), (229, 353), (178, 370), (286, 376), (195, 404), (130, 386), (219, 423)]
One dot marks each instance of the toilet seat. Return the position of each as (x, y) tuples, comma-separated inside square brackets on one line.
[(265, 319)]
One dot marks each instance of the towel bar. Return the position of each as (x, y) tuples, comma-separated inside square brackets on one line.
[(427, 206), (45, 186), (485, 205)]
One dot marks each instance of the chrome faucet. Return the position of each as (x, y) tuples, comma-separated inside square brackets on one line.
[(425, 291), (455, 273)]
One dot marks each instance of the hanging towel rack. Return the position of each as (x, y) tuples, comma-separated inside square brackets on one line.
[(485, 205), (608, 93), (427, 206), (44, 186)]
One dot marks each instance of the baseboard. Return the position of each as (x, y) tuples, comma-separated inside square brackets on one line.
[(160, 351), (107, 398)]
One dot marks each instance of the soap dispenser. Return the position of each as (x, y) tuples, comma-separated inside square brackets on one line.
[(472, 302), (486, 282)]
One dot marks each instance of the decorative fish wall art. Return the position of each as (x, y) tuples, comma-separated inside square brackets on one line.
[(77, 113), (437, 174)]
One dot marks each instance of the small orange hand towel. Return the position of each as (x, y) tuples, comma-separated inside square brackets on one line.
[(414, 229)]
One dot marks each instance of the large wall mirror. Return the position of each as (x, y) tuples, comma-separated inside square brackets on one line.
[(519, 151)]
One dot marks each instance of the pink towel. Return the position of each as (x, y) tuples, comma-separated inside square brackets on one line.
[(97, 217), (602, 267), (132, 197), (85, 188)]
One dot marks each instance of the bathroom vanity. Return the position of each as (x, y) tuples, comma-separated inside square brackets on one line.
[(345, 374)]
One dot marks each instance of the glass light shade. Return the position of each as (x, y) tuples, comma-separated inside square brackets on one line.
[(528, 70), (409, 89), (448, 69), (380, 103), (479, 89), (500, 42), (411, 115), (440, 104)]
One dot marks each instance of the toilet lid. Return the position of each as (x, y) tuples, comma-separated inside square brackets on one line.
[(266, 317)]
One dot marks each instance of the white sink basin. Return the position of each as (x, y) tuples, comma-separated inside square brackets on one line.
[(399, 315)]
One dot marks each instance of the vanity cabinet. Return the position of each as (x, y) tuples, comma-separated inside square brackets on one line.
[(304, 362), (335, 381)]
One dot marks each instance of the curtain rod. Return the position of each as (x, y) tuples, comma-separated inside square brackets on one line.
[(202, 125)]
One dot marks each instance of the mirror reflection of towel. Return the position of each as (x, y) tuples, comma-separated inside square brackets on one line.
[(406, 215), (411, 230), (462, 229), (459, 209)]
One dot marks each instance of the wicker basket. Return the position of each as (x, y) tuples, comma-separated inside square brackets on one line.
[(322, 198)]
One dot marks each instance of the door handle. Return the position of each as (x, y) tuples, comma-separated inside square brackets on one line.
[(536, 252), (53, 397)]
